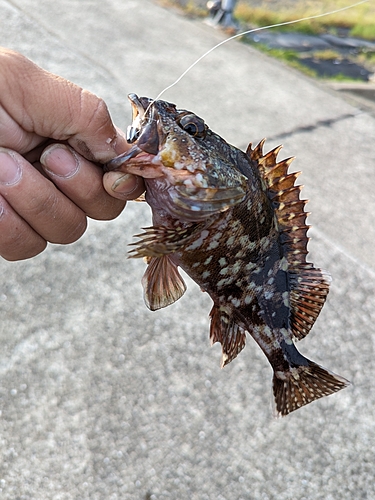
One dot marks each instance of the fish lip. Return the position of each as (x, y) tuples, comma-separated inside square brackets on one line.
[(144, 129), (143, 132), (117, 162), (137, 162)]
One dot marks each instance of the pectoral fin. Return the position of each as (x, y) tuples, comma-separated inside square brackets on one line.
[(158, 241), (162, 283)]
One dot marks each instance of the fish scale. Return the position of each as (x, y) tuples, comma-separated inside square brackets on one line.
[(235, 223)]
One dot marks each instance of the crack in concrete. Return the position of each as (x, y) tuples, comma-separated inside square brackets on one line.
[(310, 128)]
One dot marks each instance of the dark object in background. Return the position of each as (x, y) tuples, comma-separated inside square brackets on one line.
[(221, 13)]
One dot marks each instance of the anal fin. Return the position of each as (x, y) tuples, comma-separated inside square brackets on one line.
[(162, 283), (226, 330)]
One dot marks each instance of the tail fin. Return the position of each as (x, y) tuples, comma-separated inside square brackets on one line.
[(304, 384)]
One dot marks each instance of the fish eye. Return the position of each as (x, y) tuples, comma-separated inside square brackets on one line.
[(193, 125)]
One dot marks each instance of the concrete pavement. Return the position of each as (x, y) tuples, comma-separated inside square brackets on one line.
[(102, 399)]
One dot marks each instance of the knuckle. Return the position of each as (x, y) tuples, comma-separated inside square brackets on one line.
[(94, 110)]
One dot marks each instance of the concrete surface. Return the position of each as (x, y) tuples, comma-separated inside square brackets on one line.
[(102, 399)]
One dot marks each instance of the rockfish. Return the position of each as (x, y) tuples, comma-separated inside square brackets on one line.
[(235, 223)]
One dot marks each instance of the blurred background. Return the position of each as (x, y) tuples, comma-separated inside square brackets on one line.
[(339, 47)]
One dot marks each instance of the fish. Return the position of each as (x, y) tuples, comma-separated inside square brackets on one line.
[(234, 221)]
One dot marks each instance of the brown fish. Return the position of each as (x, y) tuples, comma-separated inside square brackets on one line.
[(235, 223)]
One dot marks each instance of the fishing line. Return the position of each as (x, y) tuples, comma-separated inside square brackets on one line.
[(254, 30)]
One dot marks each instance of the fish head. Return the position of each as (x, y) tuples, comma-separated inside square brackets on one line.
[(187, 168)]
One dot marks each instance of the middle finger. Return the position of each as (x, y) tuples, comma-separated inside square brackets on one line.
[(37, 200)]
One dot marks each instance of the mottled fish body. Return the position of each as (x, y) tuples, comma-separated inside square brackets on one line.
[(235, 223)]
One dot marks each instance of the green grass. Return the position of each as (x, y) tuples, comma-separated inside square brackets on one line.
[(341, 78), (327, 54), (290, 57), (359, 20), (364, 30)]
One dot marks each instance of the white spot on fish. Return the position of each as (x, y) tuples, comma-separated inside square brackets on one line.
[(286, 336), (244, 240), (250, 266), (241, 254), (199, 178), (236, 267), (225, 281), (230, 241), (214, 244), (281, 375), (251, 246), (285, 296), (199, 242), (284, 264), (267, 330)]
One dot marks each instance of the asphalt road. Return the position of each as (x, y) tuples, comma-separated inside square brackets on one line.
[(102, 399)]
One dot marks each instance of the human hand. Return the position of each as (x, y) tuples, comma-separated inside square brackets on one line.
[(53, 137)]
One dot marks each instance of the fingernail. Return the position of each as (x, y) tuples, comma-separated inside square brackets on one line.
[(2, 210), (10, 170), (126, 184), (60, 160)]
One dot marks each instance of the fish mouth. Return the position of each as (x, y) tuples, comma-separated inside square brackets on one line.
[(149, 157), (144, 131)]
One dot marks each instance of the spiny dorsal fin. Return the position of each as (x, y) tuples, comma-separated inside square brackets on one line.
[(257, 152), (309, 286), (285, 197)]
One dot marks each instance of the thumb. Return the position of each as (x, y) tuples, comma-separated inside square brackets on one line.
[(52, 107)]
